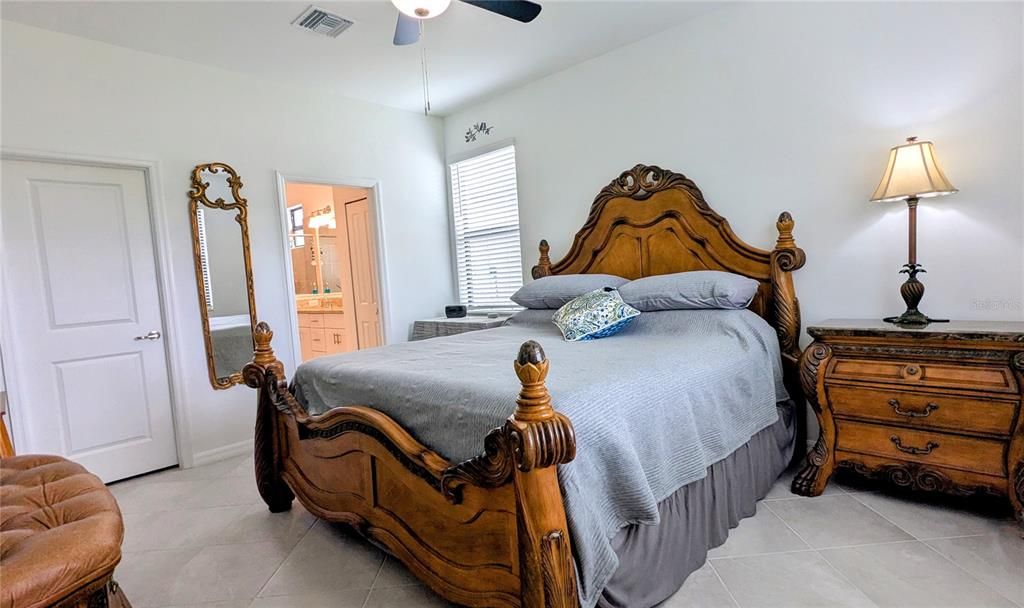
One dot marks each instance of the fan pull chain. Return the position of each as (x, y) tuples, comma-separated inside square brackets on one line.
[(426, 75)]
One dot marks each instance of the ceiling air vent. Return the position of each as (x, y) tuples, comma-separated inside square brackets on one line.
[(319, 21)]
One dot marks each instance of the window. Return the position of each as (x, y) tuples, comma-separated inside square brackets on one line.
[(485, 206), (204, 259), (295, 227)]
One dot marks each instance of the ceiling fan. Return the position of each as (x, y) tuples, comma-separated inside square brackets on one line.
[(411, 12)]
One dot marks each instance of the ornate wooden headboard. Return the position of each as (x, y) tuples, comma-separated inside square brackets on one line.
[(650, 221)]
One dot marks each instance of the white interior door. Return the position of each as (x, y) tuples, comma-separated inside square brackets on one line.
[(84, 308), (362, 257)]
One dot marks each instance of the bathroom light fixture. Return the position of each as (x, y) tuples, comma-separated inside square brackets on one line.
[(322, 218)]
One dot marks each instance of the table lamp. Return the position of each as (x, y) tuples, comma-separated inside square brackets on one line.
[(913, 173)]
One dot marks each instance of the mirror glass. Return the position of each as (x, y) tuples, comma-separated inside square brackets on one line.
[(224, 270)]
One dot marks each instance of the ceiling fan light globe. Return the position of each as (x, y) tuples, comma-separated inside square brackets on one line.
[(421, 9)]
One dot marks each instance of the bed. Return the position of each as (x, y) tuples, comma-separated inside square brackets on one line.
[(498, 528)]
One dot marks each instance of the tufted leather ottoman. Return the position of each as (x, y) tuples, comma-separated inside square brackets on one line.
[(60, 535)]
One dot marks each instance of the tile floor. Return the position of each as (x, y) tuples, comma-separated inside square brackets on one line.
[(202, 538)]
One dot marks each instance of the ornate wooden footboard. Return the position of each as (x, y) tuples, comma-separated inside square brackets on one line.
[(490, 531)]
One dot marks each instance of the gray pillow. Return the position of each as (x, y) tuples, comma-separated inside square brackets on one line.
[(555, 291), (690, 290)]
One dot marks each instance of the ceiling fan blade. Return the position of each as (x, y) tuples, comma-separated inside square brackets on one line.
[(520, 10), (407, 31)]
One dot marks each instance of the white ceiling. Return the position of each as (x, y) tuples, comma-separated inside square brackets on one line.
[(471, 53)]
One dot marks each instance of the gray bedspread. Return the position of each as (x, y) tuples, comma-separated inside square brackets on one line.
[(653, 407)]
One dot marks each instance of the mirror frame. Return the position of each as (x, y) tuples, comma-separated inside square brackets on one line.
[(197, 196)]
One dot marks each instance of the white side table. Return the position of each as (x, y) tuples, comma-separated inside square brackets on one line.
[(442, 326)]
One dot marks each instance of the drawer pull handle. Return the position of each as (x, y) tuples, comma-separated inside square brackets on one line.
[(928, 409), (927, 449)]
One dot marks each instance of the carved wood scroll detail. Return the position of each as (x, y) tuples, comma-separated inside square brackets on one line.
[(1018, 490), (556, 562), (640, 183), (535, 436), (1015, 454), (491, 469), (786, 258), (913, 476), (809, 481), (354, 426)]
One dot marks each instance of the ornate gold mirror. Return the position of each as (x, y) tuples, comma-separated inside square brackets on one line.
[(220, 248)]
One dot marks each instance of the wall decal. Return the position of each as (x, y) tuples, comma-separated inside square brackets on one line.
[(480, 128)]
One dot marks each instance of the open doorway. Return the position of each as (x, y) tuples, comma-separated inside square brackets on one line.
[(331, 235)]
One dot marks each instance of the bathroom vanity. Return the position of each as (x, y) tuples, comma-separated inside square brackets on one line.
[(323, 326)]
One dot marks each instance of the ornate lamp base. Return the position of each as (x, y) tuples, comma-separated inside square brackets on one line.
[(912, 291)]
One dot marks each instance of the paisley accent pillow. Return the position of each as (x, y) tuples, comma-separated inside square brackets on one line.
[(596, 314)]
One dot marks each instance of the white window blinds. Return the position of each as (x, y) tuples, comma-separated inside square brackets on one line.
[(204, 258), (486, 213), (296, 226)]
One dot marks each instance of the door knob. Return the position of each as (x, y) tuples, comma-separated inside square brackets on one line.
[(153, 335)]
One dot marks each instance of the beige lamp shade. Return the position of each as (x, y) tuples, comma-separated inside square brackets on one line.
[(913, 172)]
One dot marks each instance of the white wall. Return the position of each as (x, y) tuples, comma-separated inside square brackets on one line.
[(70, 95), (795, 106)]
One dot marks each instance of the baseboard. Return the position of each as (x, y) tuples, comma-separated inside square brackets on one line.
[(241, 448)]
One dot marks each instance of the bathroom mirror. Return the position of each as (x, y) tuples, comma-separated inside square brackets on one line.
[(220, 248)]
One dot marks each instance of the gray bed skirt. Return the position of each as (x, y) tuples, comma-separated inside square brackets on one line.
[(654, 561)]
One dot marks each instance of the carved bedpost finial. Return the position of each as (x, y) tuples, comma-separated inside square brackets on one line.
[(264, 353), (531, 352), (787, 255), (532, 368), (543, 267), (534, 437), (785, 225), (786, 242), (263, 358), (542, 437), (545, 260)]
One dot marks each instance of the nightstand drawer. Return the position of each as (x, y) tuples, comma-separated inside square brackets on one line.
[(923, 409), (926, 373), (940, 449)]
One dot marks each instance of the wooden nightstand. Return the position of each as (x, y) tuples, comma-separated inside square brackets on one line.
[(934, 409)]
